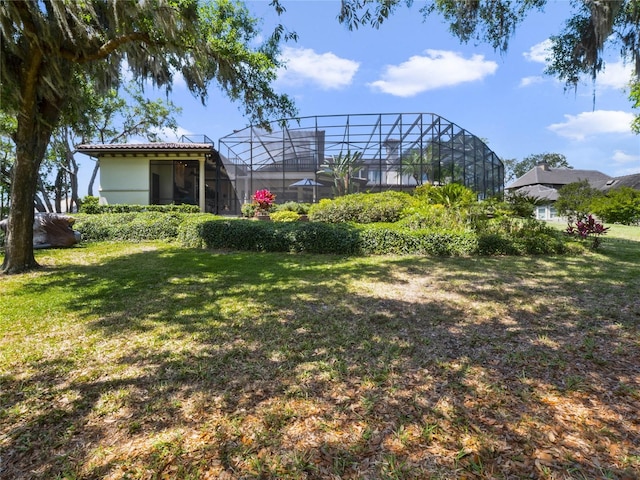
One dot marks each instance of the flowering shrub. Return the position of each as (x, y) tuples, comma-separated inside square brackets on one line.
[(264, 198), (588, 228)]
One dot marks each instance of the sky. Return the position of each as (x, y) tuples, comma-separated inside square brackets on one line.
[(415, 65)]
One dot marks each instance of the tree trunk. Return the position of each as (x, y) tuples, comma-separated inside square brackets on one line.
[(46, 201), (36, 120), (94, 174)]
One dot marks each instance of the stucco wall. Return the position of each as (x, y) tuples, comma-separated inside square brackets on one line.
[(124, 180)]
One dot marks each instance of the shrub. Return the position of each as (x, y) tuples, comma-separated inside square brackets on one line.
[(427, 216), (249, 210), (285, 216), (129, 226), (392, 239), (299, 208), (239, 234), (588, 229), (574, 200), (449, 195), (519, 236), (91, 207), (620, 205), (361, 208)]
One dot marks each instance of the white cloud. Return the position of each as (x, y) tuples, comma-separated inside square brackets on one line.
[(539, 52), (326, 70), (615, 75), (526, 81), (622, 158), (436, 69), (586, 124)]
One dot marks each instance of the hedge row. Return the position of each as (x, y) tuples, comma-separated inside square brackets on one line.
[(237, 234), (130, 226), (349, 239), (208, 231)]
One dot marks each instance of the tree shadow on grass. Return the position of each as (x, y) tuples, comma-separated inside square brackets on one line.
[(485, 366)]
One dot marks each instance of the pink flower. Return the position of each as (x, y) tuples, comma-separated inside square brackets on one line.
[(264, 199)]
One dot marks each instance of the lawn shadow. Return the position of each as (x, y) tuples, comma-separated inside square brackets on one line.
[(342, 367)]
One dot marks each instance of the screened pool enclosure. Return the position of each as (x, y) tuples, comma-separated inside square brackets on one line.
[(325, 156)]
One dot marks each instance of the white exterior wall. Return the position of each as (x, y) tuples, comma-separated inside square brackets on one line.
[(124, 180)]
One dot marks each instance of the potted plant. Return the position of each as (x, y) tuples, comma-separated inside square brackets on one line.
[(265, 201)]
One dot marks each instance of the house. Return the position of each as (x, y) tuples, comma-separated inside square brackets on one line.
[(304, 159), (543, 182), (162, 173)]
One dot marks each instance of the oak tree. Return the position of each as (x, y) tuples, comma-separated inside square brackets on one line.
[(48, 45)]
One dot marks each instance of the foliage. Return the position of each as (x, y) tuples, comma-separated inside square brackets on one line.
[(578, 50), (361, 208), (588, 229), (378, 239), (92, 207), (49, 48), (574, 200), (343, 171), (523, 205), (634, 96), (239, 234), (519, 236), (300, 208), (249, 210), (515, 169), (421, 216), (129, 226), (285, 216), (451, 195), (619, 205), (264, 199), (419, 165)]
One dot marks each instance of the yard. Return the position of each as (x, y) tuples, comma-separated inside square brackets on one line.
[(145, 360)]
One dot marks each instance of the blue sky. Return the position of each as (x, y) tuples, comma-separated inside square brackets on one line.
[(412, 65)]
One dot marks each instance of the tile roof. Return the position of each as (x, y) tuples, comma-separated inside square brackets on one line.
[(142, 147)]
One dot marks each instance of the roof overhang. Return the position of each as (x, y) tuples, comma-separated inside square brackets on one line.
[(100, 150)]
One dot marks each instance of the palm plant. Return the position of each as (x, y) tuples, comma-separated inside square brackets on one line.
[(343, 169)]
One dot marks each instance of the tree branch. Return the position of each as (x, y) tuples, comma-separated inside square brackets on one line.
[(106, 49)]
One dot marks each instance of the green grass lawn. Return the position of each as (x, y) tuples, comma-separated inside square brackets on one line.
[(149, 361)]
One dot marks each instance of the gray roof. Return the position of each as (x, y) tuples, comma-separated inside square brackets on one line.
[(540, 191), (545, 175), (631, 181)]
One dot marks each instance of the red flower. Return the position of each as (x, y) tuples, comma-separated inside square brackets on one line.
[(264, 199)]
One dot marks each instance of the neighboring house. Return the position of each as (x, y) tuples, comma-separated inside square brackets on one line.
[(543, 182), (631, 181)]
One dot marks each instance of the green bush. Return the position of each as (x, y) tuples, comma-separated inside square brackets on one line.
[(129, 226), (427, 216), (284, 216), (519, 236), (620, 205), (249, 210), (240, 234), (362, 208), (90, 206), (449, 195), (299, 208), (392, 239)]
